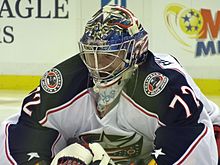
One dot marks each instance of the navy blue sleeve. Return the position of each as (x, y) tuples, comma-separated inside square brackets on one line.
[(180, 113), (172, 142), (57, 86), (29, 141)]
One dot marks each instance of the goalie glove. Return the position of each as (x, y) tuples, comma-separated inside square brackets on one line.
[(76, 154), (100, 156)]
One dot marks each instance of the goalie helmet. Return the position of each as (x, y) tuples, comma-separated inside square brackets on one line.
[(113, 42)]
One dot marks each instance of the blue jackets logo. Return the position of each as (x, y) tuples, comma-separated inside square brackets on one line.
[(154, 83), (52, 81)]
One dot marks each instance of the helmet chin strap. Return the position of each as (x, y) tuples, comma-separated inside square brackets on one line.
[(109, 92)]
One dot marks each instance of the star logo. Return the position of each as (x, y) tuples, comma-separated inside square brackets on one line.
[(158, 152), (33, 155)]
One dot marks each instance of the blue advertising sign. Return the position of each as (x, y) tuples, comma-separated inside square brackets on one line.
[(117, 2)]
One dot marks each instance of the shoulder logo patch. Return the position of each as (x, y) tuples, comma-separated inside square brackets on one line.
[(52, 81), (154, 83)]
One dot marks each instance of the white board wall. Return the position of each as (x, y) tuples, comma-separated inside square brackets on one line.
[(51, 30)]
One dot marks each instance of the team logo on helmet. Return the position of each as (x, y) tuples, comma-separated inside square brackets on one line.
[(52, 81), (154, 83)]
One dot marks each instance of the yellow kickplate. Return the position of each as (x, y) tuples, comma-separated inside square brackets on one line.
[(19, 82), (209, 86)]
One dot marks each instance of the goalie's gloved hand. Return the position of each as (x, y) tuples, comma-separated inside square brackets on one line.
[(100, 157), (74, 154), (77, 154)]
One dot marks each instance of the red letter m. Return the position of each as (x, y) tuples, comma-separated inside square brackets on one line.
[(209, 24)]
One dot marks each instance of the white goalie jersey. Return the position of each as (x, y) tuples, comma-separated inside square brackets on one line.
[(161, 114)]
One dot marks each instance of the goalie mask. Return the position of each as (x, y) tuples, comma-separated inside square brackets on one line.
[(113, 45), (113, 42)]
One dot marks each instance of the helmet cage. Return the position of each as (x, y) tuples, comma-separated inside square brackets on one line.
[(107, 62)]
